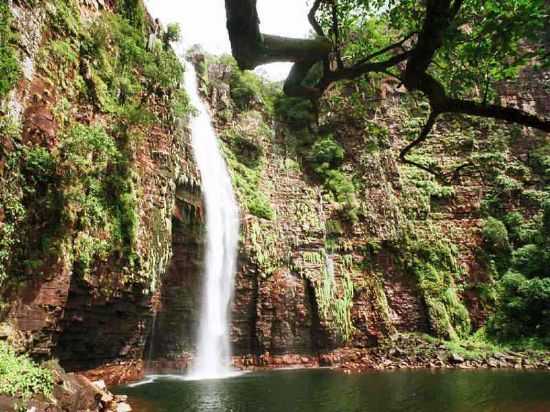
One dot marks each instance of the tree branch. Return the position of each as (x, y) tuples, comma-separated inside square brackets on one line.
[(313, 20), (293, 84), (509, 114), (441, 103), (423, 136), (251, 48), (385, 49), (358, 70), (336, 32), (438, 18)]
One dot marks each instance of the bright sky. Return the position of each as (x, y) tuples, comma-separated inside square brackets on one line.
[(203, 22)]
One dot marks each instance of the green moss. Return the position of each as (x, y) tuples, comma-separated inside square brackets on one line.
[(434, 265), (64, 17), (12, 209), (336, 300), (21, 377), (9, 66), (376, 137), (245, 160), (265, 247), (99, 195), (116, 84), (325, 157)]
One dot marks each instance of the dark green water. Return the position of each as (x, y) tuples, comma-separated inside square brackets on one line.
[(330, 391)]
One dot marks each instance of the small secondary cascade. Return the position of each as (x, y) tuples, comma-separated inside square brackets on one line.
[(213, 358)]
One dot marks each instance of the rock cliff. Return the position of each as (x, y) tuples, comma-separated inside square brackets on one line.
[(343, 248)]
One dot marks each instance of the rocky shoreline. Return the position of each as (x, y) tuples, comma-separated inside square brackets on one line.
[(88, 391), (404, 352), (71, 392)]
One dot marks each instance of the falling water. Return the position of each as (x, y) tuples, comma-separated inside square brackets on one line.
[(213, 358), (329, 267)]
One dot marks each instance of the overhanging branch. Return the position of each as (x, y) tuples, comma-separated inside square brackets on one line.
[(251, 48)]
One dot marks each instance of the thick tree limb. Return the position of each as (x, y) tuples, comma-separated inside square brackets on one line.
[(293, 84), (508, 114), (438, 18), (251, 48)]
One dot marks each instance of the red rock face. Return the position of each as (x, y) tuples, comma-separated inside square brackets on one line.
[(176, 314), (116, 327), (284, 322), (117, 373)]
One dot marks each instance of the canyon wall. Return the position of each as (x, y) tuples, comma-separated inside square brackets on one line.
[(342, 245), (97, 174)]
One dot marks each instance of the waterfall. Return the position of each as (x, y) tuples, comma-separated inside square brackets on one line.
[(329, 267), (213, 358)]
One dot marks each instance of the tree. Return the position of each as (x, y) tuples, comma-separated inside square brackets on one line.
[(455, 52)]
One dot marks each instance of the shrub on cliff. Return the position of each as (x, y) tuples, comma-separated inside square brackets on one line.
[(296, 112), (495, 235), (532, 260), (326, 156), (172, 34), (21, 377), (523, 308)]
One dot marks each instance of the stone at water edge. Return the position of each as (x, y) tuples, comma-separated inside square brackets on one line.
[(123, 407), (456, 359)]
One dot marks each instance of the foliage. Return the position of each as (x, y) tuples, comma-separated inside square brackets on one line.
[(96, 199), (134, 12), (9, 67), (532, 260), (435, 267), (245, 159), (336, 303), (481, 47), (523, 308), (521, 250), (495, 235), (326, 156), (296, 112), (117, 84), (12, 211), (180, 104), (78, 195), (261, 207), (172, 34), (21, 377)]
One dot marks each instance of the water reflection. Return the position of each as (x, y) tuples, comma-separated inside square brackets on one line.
[(329, 391)]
